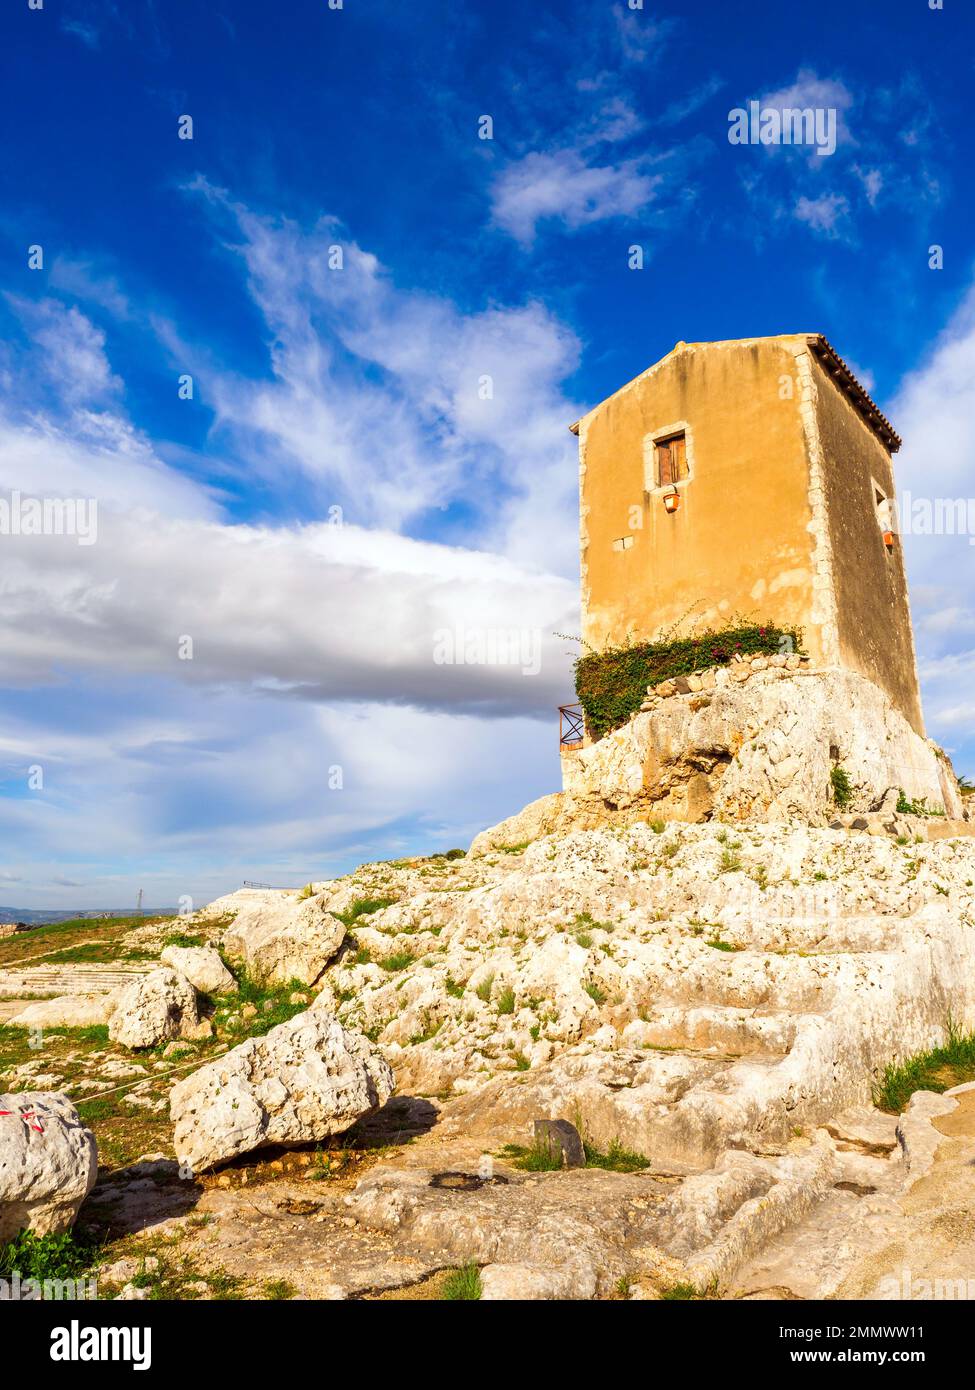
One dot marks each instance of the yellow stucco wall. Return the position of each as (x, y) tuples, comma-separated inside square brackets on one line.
[(741, 541), (870, 584)]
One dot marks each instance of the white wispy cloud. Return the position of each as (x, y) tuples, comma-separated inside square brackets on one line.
[(809, 90), (189, 791), (393, 402), (582, 153), (934, 411), (824, 214), (100, 455), (81, 279), (313, 645), (563, 185), (67, 348), (692, 101), (838, 195), (873, 182), (86, 33), (642, 37)]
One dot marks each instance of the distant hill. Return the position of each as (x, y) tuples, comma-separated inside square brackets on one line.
[(35, 918)]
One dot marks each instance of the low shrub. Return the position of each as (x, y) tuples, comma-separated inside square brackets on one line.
[(611, 685), (842, 787), (920, 807), (63, 1256)]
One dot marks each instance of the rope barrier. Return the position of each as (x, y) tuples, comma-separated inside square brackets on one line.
[(27, 1116)]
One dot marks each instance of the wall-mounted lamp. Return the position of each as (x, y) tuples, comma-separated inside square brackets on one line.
[(672, 500), (889, 539)]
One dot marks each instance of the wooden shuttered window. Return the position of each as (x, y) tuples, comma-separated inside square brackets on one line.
[(671, 460)]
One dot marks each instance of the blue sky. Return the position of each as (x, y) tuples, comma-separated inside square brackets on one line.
[(338, 491)]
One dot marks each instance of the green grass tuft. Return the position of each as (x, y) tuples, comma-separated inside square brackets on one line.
[(182, 938), (399, 960), (362, 907), (91, 1033), (616, 1158), (462, 1285), (937, 1070), (537, 1157), (98, 1108), (273, 1003), (679, 1292), (279, 1289)]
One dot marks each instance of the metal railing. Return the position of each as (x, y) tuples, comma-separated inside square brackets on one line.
[(572, 726)]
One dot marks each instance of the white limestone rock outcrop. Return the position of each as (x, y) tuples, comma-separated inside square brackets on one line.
[(705, 995), (283, 939), (537, 818), (764, 750), (755, 750), (155, 1008), (683, 989), (229, 904), (48, 1163), (306, 1080), (202, 966)]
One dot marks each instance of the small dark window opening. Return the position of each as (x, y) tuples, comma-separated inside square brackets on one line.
[(671, 460), (885, 517)]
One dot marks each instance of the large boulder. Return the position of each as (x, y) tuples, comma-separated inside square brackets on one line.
[(67, 1011), (306, 1080), (202, 966), (48, 1163), (230, 904), (285, 939), (759, 749), (532, 821), (155, 1008)]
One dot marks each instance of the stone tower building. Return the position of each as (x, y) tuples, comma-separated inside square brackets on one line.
[(749, 477)]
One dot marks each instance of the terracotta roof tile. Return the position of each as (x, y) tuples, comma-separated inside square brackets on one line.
[(860, 398)]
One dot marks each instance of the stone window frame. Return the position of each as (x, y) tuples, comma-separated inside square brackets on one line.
[(876, 491), (658, 436)]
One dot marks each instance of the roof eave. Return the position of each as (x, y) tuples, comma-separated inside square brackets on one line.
[(861, 400)]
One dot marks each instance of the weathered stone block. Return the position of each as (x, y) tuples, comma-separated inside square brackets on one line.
[(563, 1138)]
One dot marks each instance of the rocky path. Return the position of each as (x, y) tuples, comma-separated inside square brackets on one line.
[(900, 1223), (891, 1216)]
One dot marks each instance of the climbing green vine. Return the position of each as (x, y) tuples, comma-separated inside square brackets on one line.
[(611, 685)]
